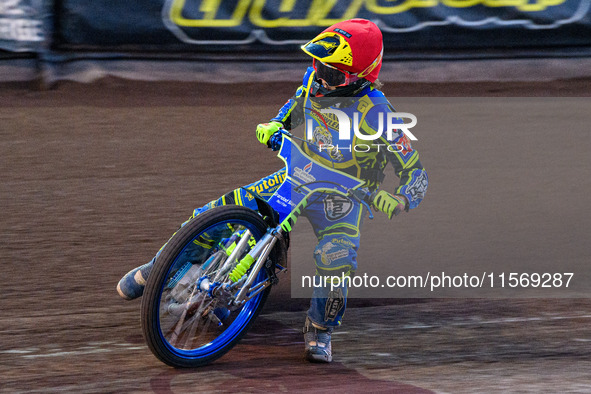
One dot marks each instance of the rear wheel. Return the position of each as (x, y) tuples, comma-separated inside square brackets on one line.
[(187, 317)]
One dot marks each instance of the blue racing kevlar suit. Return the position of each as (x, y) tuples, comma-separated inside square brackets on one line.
[(336, 220)]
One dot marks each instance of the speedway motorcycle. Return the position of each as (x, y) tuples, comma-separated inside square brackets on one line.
[(210, 281)]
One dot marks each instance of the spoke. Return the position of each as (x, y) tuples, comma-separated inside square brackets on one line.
[(192, 328), (178, 328), (193, 325), (205, 326), (212, 270)]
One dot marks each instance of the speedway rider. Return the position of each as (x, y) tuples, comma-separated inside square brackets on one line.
[(347, 58)]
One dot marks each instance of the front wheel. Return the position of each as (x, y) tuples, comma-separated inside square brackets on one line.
[(188, 318)]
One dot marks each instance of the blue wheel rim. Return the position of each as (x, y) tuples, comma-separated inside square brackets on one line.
[(245, 315)]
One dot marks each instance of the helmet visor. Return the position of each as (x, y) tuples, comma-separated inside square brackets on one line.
[(329, 48), (331, 75)]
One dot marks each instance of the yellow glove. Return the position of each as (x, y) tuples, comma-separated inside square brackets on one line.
[(389, 204), (266, 130)]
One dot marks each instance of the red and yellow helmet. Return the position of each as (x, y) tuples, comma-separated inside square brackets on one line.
[(353, 47)]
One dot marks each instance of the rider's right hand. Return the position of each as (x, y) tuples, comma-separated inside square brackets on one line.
[(390, 204), (266, 130)]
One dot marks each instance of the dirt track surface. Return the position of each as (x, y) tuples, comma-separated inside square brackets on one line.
[(95, 178)]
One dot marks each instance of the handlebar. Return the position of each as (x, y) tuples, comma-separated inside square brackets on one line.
[(275, 141), (365, 197)]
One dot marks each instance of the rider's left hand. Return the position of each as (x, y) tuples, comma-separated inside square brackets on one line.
[(390, 204), (266, 130)]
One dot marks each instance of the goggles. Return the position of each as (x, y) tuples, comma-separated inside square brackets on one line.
[(332, 75)]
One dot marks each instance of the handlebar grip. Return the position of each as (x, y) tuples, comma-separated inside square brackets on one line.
[(370, 197), (364, 196), (275, 141)]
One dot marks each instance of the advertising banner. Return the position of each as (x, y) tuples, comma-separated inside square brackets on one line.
[(22, 26), (280, 25)]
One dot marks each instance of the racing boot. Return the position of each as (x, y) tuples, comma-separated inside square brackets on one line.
[(131, 286), (317, 343)]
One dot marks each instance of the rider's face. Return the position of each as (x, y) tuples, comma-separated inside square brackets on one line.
[(326, 85)]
